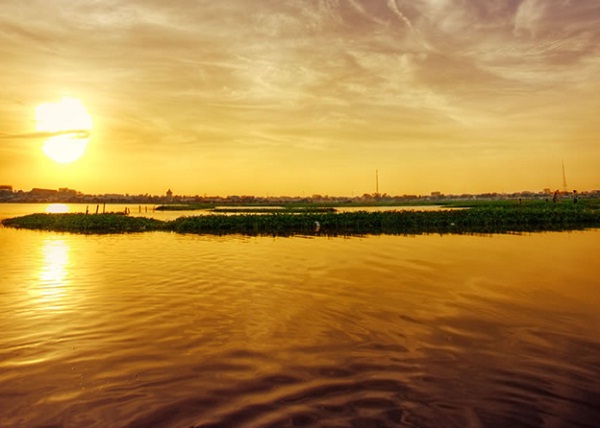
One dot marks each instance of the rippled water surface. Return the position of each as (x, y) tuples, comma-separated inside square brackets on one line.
[(160, 329)]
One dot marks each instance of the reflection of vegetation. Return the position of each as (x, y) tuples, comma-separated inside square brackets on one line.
[(488, 218)]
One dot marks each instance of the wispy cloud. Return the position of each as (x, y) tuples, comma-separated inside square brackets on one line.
[(75, 133), (308, 74)]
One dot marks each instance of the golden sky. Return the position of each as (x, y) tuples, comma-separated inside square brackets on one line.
[(296, 97)]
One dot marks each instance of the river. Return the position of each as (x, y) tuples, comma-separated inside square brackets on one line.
[(168, 330)]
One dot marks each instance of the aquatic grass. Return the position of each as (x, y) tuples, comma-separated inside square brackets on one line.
[(249, 208), (247, 224), (273, 210), (184, 207), (486, 219), (85, 223)]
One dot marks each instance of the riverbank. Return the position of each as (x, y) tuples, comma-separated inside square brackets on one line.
[(484, 219)]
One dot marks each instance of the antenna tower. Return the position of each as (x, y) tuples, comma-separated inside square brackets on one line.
[(564, 178)]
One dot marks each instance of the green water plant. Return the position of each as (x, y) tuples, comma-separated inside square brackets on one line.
[(485, 219), (85, 223)]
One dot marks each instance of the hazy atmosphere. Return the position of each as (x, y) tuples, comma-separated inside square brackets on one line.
[(285, 213), (276, 97)]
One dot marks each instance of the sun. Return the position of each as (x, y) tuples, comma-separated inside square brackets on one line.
[(67, 126)]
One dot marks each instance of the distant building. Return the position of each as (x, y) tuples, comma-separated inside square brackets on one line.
[(37, 192), (169, 193), (67, 191), (436, 194), (6, 192)]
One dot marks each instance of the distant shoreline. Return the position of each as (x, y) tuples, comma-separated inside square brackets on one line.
[(65, 196)]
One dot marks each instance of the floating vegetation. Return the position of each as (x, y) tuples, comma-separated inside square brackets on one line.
[(183, 207), (255, 209), (85, 223), (273, 210), (481, 219)]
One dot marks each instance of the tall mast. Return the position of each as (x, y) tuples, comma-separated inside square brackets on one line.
[(564, 178)]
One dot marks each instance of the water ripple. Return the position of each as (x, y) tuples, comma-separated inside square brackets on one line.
[(173, 330)]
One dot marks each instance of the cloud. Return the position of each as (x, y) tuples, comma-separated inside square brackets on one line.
[(203, 76), (75, 133), (394, 8), (529, 16)]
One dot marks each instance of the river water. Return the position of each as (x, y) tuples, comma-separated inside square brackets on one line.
[(168, 330)]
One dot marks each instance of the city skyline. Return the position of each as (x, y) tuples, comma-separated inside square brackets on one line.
[(10, 194), (301, 98)]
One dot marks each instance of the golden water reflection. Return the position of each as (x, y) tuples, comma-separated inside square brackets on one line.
[(54, 274), (57, 208), (360, 330)]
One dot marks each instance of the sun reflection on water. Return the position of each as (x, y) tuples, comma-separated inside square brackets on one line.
[(57, 209), (54, 273)]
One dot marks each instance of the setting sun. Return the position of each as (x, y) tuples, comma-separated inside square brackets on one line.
[(67, 125)]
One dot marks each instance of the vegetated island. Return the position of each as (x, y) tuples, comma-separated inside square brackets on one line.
[(254, 209), (475, 218)]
